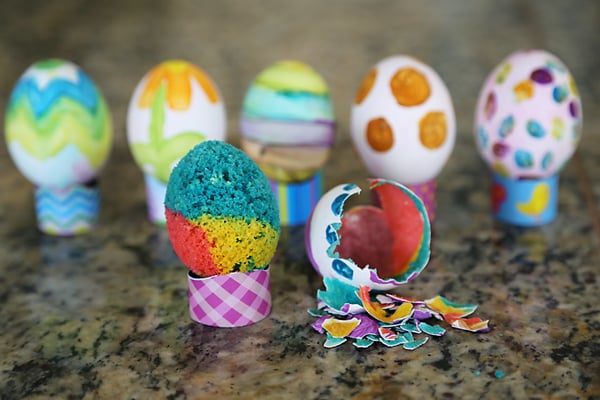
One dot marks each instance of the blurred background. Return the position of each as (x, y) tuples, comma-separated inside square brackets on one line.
[(117, 42)]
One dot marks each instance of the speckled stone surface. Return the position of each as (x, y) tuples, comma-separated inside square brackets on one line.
[(104, 316)]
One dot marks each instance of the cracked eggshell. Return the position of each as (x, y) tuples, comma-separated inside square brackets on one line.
[(528, 117), (403, 214), (402, 121)]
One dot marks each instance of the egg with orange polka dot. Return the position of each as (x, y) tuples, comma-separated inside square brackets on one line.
[(403, 124)]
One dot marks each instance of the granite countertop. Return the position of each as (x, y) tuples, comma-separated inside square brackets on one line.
[(104, 315)]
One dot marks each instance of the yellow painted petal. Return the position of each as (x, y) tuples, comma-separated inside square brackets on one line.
[(206, 84), (155, 78), (179, 89), (339, 328)]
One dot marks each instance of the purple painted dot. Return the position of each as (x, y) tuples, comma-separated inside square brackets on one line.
[(500, 149), (541, 75), (573, 109)]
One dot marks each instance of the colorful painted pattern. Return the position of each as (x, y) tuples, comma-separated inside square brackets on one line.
[(67, 211), (297, 200), (527, 202), (58, 118), (528, 118), (166, 118), (287, 122), (402, 121)]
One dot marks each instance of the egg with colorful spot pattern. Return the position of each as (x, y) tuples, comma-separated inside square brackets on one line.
[(529, 107)]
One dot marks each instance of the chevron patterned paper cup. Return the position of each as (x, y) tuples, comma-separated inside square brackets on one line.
[(67, 211), (231, 300)]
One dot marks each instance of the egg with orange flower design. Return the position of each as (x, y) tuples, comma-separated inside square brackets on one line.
[(175, 106), (403, 124)]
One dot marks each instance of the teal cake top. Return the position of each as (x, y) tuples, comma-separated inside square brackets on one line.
[(218, 179)]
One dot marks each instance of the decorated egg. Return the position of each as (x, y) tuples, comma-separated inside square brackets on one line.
[(58, 126), (59, 134), (528, 123), (174, 107), (528, 117), (403, 124), (287, 121), (380, 247)]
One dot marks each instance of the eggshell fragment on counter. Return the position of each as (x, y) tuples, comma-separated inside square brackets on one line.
[(402, 121), (377, 247), (528, 118)]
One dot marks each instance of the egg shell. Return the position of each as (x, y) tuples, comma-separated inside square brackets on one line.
[(406, 219), (402, 121), (287, 122), (58, 126), (221, 213), (528, 117), (175, 106)]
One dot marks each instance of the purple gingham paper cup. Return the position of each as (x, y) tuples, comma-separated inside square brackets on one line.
[(231, 300)]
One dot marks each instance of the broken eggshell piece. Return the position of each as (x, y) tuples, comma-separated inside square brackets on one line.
[(380, 247)]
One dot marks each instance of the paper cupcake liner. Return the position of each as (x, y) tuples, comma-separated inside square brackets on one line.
[(296, 200), (525, 202), (155, 198), (426, 192), (232, 300), (67, 211)]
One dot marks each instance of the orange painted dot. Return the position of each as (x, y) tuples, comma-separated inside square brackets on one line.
[(410, 87), (433, 130), (365, 86), (380, 135), (523, 90)]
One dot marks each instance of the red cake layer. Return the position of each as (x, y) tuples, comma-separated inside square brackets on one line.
[(190, 244)]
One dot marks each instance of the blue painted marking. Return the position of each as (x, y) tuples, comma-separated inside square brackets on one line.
[(83, 92), (342, 269), (535, 129), (338, 204), (506, 127), (331, 234)]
